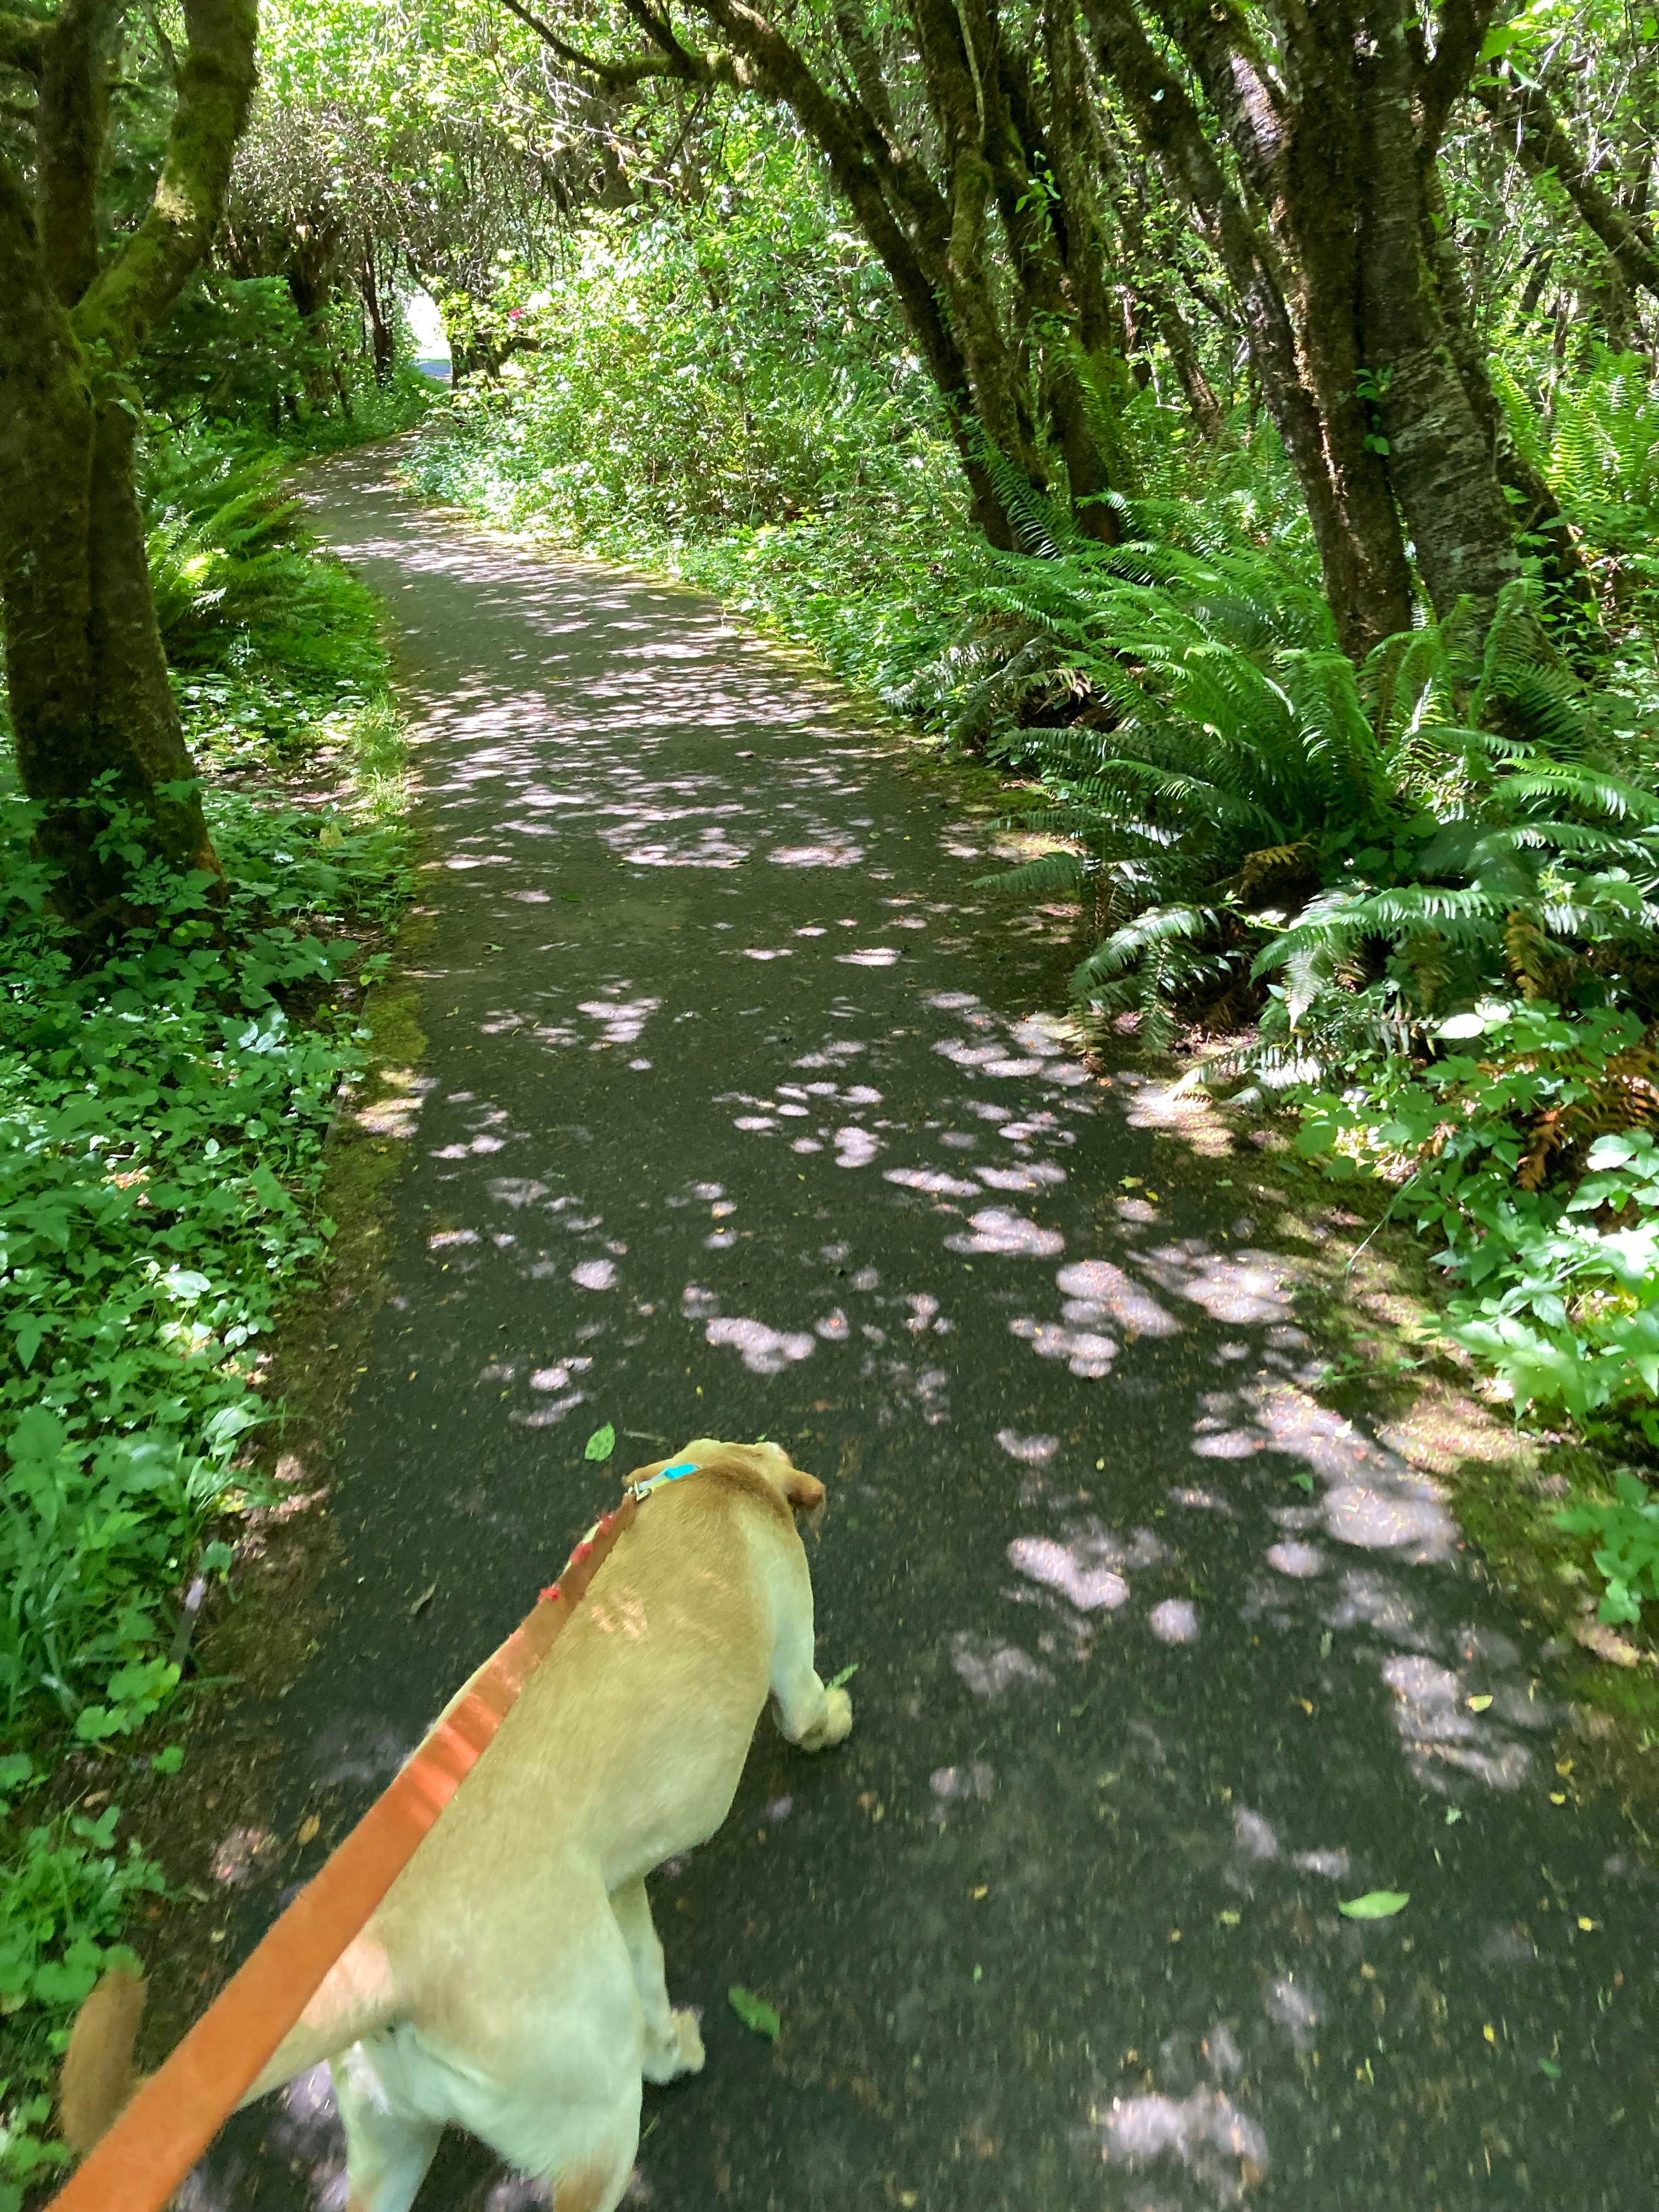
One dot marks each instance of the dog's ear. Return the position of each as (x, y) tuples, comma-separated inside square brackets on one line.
[(806, 1493)]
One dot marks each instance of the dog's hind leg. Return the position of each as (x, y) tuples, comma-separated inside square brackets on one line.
[(599, 2181), (388, 2147), (673, 2045)]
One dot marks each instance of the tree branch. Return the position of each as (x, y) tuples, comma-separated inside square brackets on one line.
[(675, 62), (1541, 146), (216, 83), (1443, 82)]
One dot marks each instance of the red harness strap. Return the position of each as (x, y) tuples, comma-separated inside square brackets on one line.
[(175, 2115)]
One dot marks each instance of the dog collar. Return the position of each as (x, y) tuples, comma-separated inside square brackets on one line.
[(639, 1491)]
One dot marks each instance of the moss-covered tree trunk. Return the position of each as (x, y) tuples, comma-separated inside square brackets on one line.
[(91, 704)]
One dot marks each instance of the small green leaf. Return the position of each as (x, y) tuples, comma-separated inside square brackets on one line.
[(1377, 1904), (1304, 1482), (845, 1677), (1548, 2067), (170, 1760), (601, 1444), (754, 2012)]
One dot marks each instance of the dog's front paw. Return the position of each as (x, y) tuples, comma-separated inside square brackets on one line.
[(688, 2036), (836, 1724), (679, 2051)]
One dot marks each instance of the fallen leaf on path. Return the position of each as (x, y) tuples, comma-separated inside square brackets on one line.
[(1377, 1904), (601, 1444), (1304, 1482), (1477, 1705), (1547, 2066), (754, 2012), (308, 1828)]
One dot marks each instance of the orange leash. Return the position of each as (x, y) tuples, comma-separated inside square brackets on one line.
[(143, 2159)]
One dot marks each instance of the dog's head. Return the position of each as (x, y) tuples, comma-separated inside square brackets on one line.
[(802, 1493)]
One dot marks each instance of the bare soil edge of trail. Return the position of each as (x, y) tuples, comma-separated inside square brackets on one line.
[(1358, 1286)]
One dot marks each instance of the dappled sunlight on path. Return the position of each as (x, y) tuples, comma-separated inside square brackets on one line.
[(743, 1112)]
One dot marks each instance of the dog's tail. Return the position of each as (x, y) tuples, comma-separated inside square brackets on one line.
[(98, 2076), (98, 2079)]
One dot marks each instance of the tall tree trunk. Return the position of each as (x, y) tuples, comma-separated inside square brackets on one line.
[(1361, 555), (93, 713), (1439, 462), (382, 337)]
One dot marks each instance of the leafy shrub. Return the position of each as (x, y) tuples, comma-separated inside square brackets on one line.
[(160, 1121), (1240, 802), (1530, 1149), (1627, 1557), (1598, 446)]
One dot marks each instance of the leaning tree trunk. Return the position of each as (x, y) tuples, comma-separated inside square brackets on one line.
[(96, 724)]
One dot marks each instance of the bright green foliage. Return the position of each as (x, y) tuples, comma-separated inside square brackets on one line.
[(235, 574), (158, 1112), (1599, 446), (1627, 1557), (1550, 1230), (1242, 802)]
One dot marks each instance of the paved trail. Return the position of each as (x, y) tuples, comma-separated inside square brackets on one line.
[(738, 1116)]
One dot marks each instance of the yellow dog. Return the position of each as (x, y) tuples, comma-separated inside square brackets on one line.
[(512, 1981)]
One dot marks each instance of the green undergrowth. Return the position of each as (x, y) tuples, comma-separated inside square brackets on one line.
[(164, 1104)]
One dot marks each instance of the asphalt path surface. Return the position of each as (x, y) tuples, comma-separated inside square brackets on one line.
[(743, 1114)]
